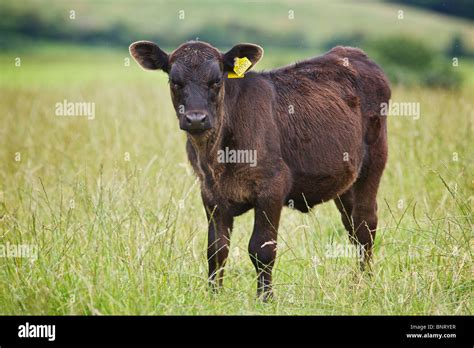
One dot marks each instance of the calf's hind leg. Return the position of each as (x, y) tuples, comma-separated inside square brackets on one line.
[(344, 204), (364, 210)]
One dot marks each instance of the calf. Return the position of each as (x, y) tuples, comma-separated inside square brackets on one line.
[(315, 128)]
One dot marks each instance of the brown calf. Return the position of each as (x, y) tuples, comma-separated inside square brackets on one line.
[(307, 133)]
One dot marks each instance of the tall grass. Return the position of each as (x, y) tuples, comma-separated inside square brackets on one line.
[(119, 236)]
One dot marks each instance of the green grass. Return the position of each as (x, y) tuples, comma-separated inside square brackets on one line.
[(129, 237)]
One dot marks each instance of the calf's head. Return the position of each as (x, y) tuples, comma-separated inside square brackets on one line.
[(196, 73)]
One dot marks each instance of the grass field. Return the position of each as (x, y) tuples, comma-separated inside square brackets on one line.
[(115, 213), (129, 237)]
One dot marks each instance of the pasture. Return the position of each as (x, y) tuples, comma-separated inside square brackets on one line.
[(114, 215)]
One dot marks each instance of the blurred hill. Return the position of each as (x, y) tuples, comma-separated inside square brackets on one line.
[(379, 27), (222, 22), (460, 8)]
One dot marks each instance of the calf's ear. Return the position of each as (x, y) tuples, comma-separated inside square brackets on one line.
[(149, 56), (253, 52)]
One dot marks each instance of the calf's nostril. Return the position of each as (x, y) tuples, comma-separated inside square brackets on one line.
[(196, 118)]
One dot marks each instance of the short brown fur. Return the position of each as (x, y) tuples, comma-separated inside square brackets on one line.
[(318, 133)]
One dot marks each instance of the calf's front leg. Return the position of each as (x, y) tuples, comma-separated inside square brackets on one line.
[(263, 243), (219, 231)]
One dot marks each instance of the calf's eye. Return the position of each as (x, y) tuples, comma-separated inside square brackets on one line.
[(214, 84), (176, 85)]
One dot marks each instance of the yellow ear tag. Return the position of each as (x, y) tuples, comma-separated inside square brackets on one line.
[(241, 65)]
